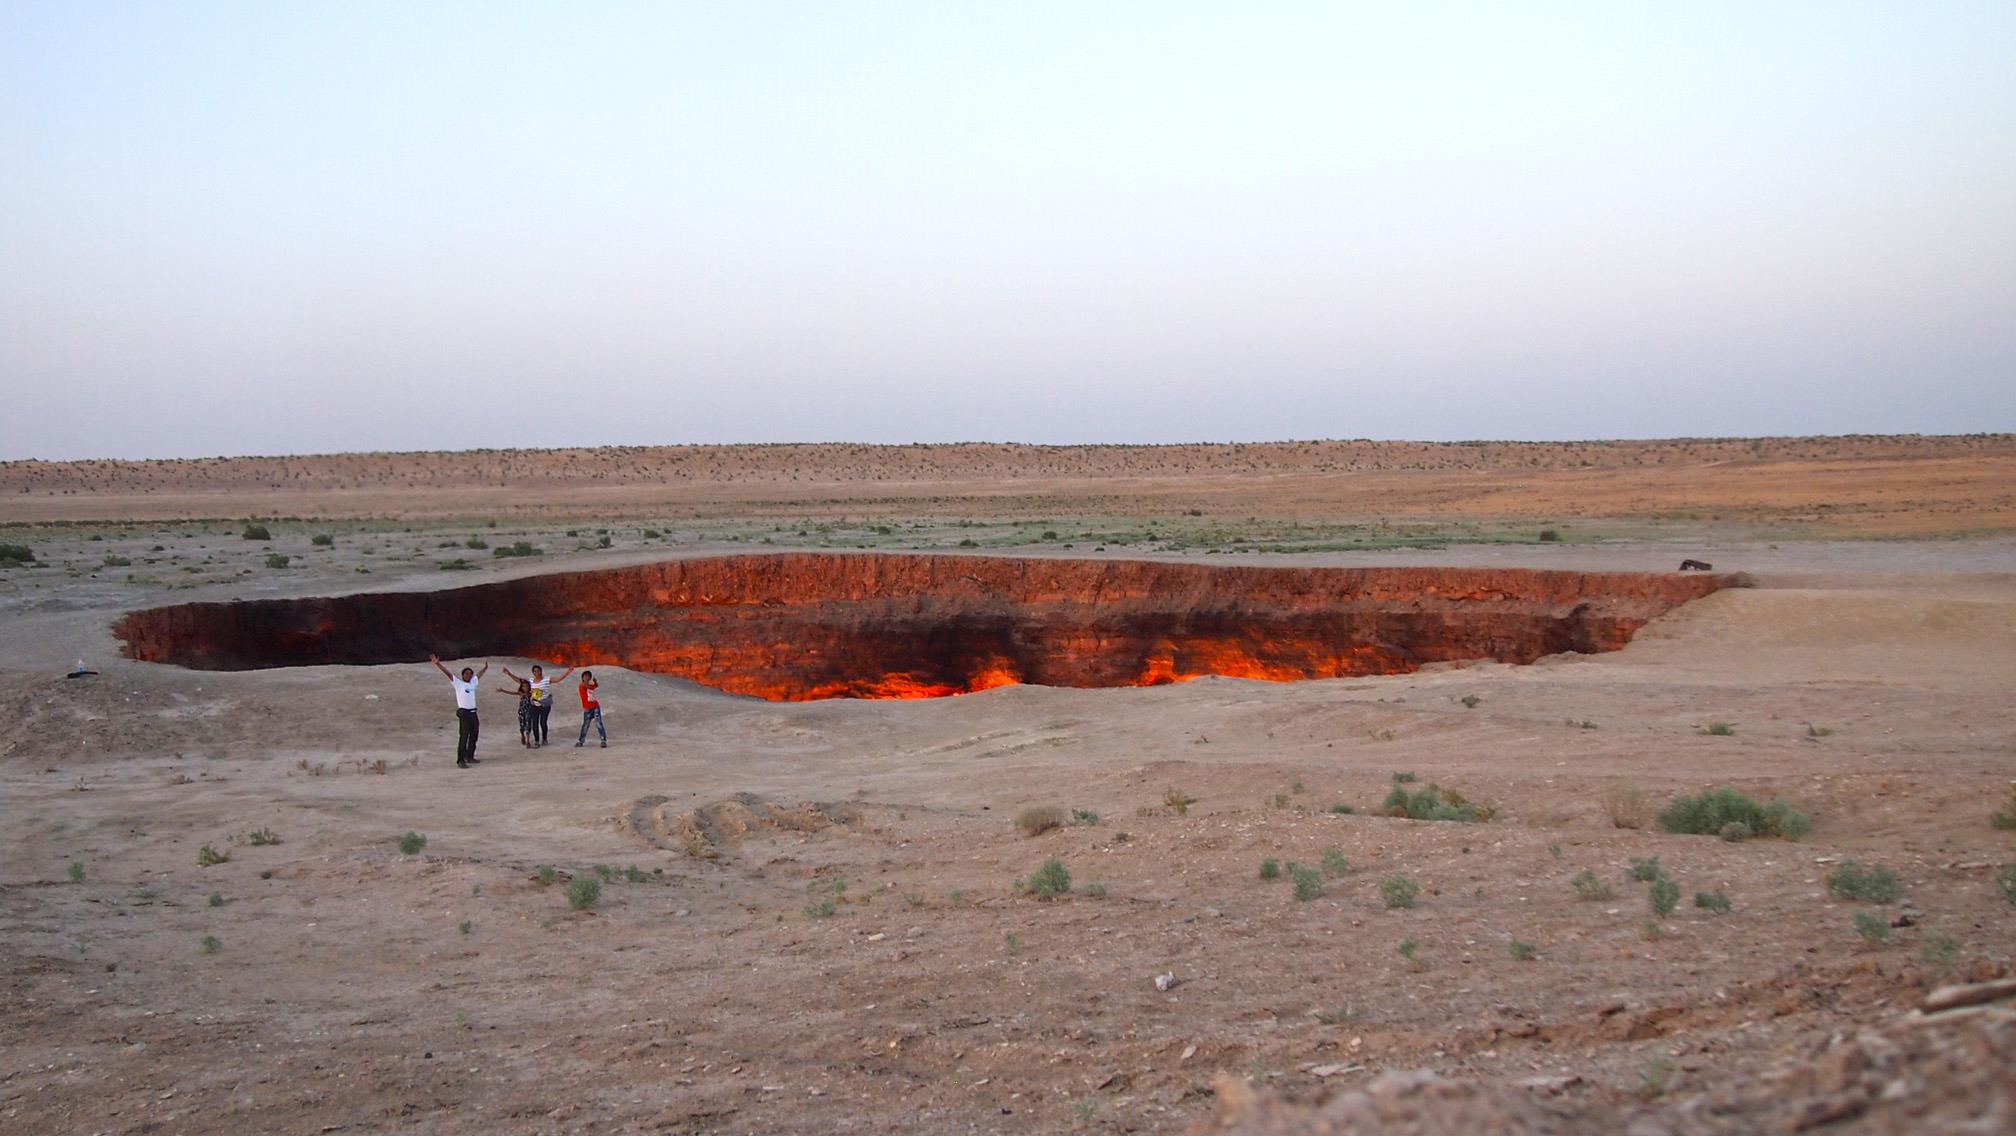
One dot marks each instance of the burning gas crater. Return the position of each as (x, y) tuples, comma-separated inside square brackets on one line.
[(816, 625)]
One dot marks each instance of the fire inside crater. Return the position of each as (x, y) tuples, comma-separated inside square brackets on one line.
[(794, 626)]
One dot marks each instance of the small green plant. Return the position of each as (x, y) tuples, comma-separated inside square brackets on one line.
[(1470, 701), (1872, 927), (1705, 814), (277, 560), (1432, 803), (212, 944), (1664, 896), (117, 562), (2005, 882), (76, 871), (1550, 536), (1039, 819), (1873, 884), (1735, 832), (1522, 950), (412, 843), (1122, 837), (465, 926), (1011, 943), (1095, 889), (1308, 881), (1554, 850), (634, 874), (1334, 862), (1588, 887), (2005, 818), (1404, 777), (1653, 930), (322, 540), (1280, 800), (605, 872), (1720, 730), (476, 542), (1398, 891), (1410, 949), (15, 555), (256, 531), (1813, 731), (821, 908), (207, 856), (1052, 879), (1270, 868), (1643, 869), (1654, 1075), (1084, 817), (456, 565), (584, 892), (1342, 809), (1940, 952), (517, 548), (548, 873), (1177, 801), (216, 899), (1713, 902), (1087, 1109), (260, 837), (1297, 788)]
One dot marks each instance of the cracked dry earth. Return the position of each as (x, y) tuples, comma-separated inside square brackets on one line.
[(333, 983)]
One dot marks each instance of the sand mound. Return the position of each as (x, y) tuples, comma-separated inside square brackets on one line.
[(707, 832)]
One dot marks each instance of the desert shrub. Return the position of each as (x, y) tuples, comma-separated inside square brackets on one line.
[(1410, 949), (476, 542), (1707, 812), (1470, 701), (262, 836), (548, 873), (1334, 863), (1643, 869), (1095, 889), (1177, 801), (2005, 882), (1270, 869), (278, 560), (1084, 816), (1308, 881), (1052, 879), (412, 843), (76, 871), (206, 856), (652, 534), (117, 562), (1872, 927), (1664, 896), (1550, 536), (1628, 806), (12, 555), (1735, 832), (1940, 952), (1588, 887), (518, 548), (1399, 891), (212, 944), (2006, 818), (1873, 884), (322, 540), (584, 892), (456, 565), (1342, 809), (1712, 901), (821, 908), (1405, 777), (1720, 730), (256, 532), (1432, 803), (216, 899), (1522, 950), (1039, 819)]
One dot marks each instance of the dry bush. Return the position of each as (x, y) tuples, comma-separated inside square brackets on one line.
[(1628, 806), (1039, 819)]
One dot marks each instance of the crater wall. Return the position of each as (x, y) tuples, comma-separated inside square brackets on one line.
[(796, 626)]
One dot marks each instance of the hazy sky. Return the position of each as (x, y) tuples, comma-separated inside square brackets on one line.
[(269, 227)]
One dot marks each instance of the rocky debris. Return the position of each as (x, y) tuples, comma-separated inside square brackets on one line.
[(707, 832)]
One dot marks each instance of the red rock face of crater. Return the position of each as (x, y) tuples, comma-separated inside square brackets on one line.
[(818, 625)]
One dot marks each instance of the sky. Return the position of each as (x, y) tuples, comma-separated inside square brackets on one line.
[(262, 228)]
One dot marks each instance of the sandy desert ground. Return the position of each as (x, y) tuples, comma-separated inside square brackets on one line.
[(858, 956)]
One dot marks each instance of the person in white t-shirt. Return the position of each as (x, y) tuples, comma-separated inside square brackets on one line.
[(542, 699), (465, 711)]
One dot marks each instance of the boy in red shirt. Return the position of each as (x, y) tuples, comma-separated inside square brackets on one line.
[(591, 711)]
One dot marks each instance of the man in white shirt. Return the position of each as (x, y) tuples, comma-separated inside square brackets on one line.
[(465, 711)]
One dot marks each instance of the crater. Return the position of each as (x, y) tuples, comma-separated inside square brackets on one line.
[(796, 626)]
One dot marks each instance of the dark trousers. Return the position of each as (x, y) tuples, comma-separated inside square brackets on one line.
[(541, 713), (465, 741)]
